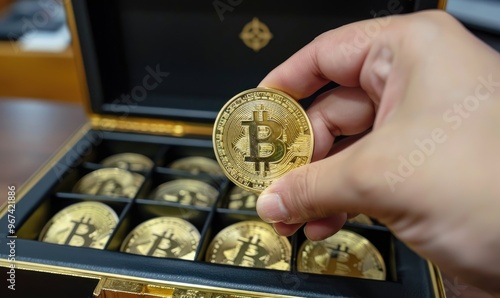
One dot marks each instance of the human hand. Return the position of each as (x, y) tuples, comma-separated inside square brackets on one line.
[(429, 169)]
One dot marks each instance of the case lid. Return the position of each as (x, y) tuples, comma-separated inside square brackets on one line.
[(183, 60)]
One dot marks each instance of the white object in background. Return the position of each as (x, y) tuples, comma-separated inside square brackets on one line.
[(46, 41)]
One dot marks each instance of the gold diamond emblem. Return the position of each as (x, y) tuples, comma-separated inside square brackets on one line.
[(256, 35)]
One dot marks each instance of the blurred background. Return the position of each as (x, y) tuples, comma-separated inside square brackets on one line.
[(36, 59)]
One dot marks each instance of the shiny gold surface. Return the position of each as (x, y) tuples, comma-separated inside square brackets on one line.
[(259, 135), (186, 192), (128, 161), (164, 237), (138, 284), (111, 182), (148, 126), (436, 280), (242, 199), (345, 253), (196, 165), (361, 219), (250, 244), (85, 224)]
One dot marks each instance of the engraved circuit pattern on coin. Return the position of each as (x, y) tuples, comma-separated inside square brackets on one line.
[(260, 135), (242, 199), (250, 244), (164, 237), (112, 182), (186, 192), (345, 253), (198, 164), (85, 224), (128, 161)]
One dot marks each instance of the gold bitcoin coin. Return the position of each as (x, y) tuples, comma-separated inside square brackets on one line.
[(260, 135), (361, 219), (345, 253), (242, 199), (128, 161), (163, 237), (196, 165), (112, 182), (250, 244), (186, 192), (86, 224)]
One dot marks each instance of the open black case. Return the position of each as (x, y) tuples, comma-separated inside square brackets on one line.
[(157, 72)]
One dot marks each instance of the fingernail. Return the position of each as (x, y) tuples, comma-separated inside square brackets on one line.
[(271, 209)]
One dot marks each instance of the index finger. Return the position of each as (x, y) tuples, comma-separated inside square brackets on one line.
[(337, 55)]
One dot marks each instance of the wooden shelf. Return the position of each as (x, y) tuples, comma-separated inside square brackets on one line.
[(42, 75)]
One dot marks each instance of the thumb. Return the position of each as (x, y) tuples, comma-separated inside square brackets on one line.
[(349, 181), (311, 192)]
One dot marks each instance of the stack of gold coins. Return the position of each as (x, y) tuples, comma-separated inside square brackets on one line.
[(111, 182), (186, 192), (85, 224), (345, 253), (250, 244), (165, 237), (197, 165), (260, 135), (128, 161), (242, 199)]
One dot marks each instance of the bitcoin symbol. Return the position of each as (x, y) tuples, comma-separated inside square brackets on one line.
[(109, 187), (80, 234), (164, 246), (250, 254), (264, 140)]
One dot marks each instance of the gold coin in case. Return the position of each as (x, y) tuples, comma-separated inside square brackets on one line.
[(111, 182), (128, 161), (163, 237), (197, 165), (346, 253), (186, 192), (250, 244), (361, 219), (242, 199), (259, 136), (85, 224)]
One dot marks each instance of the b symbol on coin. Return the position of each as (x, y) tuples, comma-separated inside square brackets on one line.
[(260, 135), (264, 140), (164, 245), (81, 234)]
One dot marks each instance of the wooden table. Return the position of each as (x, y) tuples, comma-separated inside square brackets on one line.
[(31, 132)]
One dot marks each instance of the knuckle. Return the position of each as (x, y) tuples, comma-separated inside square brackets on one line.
[(363, 179), (301, 203)]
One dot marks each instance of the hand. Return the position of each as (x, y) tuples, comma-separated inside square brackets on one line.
[(430, 167)]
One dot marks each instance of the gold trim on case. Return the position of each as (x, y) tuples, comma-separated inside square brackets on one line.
[(116, 285), (149, 126), (75, 45), (437, 280), (442, 4)]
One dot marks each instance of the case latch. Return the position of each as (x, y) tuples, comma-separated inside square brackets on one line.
[(117, 288)]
